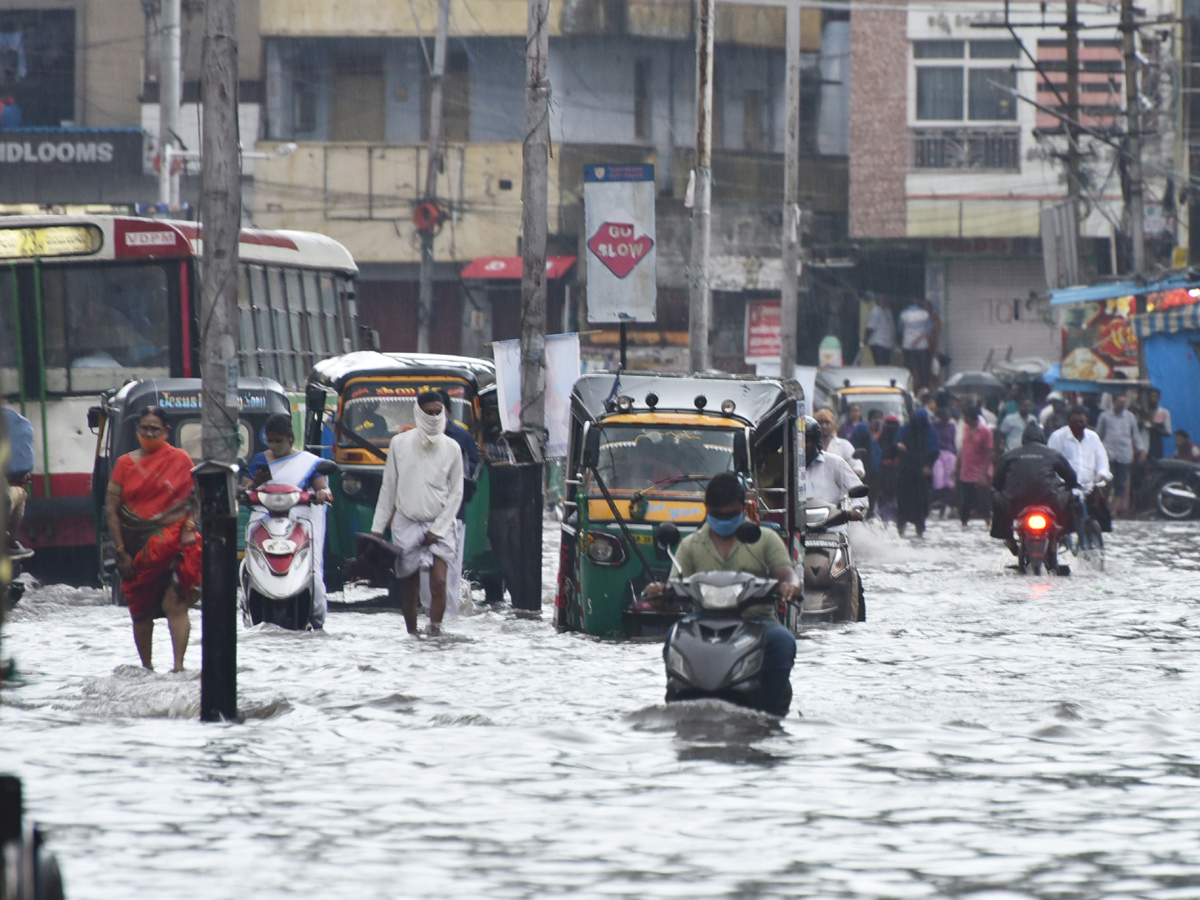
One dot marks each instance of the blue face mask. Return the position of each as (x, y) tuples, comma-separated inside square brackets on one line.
[(726, 527)]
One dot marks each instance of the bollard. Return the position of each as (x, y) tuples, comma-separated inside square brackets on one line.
[(217, 486)]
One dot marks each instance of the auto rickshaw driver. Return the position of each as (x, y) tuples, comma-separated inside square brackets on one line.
[(715, 547)]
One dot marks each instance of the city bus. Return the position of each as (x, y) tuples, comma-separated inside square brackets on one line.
[(89, 303)]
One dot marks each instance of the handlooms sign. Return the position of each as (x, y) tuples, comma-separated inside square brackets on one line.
[(46, 152)]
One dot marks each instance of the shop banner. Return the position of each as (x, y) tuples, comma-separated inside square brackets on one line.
[(1098, 342), (562, 371)]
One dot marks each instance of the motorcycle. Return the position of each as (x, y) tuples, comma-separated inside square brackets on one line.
[(1037, 533), (717, 654), (832, 589), (1178, 493), (277, 572)]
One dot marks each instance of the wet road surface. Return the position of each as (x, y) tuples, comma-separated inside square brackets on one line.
[(984, 734)]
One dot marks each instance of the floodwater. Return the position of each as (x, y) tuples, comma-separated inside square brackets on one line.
[(984, 734)]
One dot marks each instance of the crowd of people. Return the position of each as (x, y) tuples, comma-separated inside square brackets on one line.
[(943, 461)]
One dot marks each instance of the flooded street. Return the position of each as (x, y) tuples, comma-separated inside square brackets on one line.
[(982, 734)]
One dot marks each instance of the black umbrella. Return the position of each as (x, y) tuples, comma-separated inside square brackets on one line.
[(975, 383)]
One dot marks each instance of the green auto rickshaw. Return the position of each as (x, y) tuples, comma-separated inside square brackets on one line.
[(354, 405), (642, 449), (114, 422)]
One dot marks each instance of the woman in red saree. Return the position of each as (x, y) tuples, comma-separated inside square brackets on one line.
[(149, 508)]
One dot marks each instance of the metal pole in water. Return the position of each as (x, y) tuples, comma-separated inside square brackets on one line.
[(221, 213)]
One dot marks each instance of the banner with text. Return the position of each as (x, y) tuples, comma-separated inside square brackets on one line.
[(621, 260)]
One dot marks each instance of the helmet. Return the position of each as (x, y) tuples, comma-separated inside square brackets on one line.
[(811, 424), (1033, 434)]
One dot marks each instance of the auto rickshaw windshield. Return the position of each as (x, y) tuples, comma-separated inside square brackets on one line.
[(634, 457), (376, 411), (187, 437), (891, 404)]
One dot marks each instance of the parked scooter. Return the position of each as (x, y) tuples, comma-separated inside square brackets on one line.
[(277, 573), (718, 654), (832, 589), (1178, 488)]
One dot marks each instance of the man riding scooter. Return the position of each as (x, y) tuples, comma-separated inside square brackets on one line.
[(1031, 475), (829, 477), (715, 547)]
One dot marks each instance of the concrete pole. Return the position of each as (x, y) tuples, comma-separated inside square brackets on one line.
[(168, 96), (1133, 127), (1073, 182), (788, 306), (699, 298), (436, 77), (534, 200), (221, 213)]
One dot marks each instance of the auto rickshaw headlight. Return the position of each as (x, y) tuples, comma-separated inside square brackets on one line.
[(728, 407), (624, 403), (605, 550), (351, 485)]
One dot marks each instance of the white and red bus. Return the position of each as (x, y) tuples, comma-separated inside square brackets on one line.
[(88, 303)]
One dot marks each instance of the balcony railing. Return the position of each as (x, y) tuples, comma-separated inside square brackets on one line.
[(967, 148)]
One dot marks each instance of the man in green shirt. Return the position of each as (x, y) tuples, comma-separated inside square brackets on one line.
[(715, 547)]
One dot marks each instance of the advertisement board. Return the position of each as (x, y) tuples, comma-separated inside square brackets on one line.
[(562, 371), (1098, 342), (621, 259), (763, 321)]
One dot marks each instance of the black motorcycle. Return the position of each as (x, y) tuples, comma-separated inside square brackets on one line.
[(718, 654), (1177, 491), (1038, 533)]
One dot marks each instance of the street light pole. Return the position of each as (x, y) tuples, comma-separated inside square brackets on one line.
[(699, 298), (168, 99), (788, 303), (436, 78)]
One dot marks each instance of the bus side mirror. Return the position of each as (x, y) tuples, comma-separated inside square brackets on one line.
[(741, 453), (667, 536), (591, 447), (95, 417)]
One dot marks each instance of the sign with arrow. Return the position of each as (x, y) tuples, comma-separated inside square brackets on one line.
[(621, 264)]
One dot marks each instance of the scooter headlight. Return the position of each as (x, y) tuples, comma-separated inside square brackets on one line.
[(279, 502), (816, 517), (747, 666), (677, 664), (717, 597)]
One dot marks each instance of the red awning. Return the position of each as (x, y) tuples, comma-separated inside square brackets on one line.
[(510, 267)]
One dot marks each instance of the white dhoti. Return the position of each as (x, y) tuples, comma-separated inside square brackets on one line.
[(453, 575), (408, 537)]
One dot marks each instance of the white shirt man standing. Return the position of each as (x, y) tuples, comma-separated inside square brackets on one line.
[(419, 499), (881, 331)]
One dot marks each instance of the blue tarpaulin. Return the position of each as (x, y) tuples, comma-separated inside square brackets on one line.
[(1171, 341), (1094, 293)]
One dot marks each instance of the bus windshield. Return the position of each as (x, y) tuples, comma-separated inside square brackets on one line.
[(377, 410), (635, 457)]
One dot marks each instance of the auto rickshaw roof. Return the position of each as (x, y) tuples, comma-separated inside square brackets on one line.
[(755, 397), (159, 392), (336, 371), (834, 378)]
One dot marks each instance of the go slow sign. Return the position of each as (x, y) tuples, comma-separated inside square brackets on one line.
[(616, 245)]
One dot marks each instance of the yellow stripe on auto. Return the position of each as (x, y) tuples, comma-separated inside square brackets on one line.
[(657, 511)]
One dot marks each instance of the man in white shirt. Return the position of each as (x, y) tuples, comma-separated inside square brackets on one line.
[(916, 329), (828, 477), (836, 445), (419, 499), (1083, 449), (881, 331)]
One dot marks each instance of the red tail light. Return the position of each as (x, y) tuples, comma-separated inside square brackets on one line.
[(1036, 522)]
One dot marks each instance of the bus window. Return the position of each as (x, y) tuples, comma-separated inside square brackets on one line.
[(294, 298), (104, 325), (331, 317), (10, 383), (247, 346), (313, 317), (264, 332), (283, 335)]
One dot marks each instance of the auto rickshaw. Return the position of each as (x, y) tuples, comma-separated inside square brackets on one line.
[(885, 388), (642, 450), (114, 422), (354, 405)]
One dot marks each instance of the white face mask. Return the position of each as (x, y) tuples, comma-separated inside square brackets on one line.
[(429, 426)]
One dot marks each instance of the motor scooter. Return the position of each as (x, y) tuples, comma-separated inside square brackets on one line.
[(832, 589), (278, 570), (717, 654)]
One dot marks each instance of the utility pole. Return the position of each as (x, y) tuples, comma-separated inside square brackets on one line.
[(534, 199), (436, 77), (788, 303), (1135, 203), (1073, 181), (168, 99), (698, 291), (221, 213)]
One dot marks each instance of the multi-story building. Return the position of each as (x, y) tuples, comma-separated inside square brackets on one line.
[(349, 85), (957, 145)]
